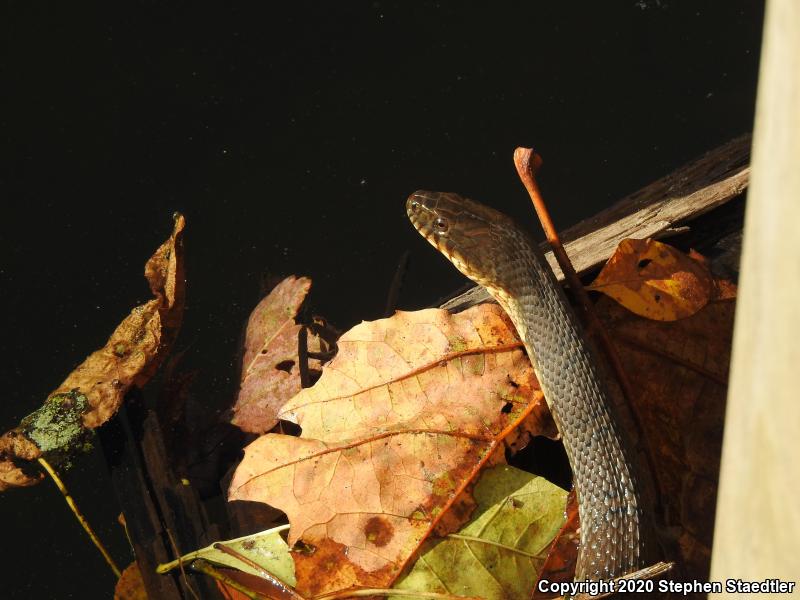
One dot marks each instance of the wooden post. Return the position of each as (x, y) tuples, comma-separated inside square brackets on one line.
[(758, 510)]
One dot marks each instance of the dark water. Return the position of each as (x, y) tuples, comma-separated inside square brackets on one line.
[(290, 139)]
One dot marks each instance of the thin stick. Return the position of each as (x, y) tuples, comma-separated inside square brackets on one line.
[(527, 163), (651, 572), (84, 523), (180, 564)]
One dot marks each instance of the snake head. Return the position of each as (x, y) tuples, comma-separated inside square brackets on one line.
[(472, 236)]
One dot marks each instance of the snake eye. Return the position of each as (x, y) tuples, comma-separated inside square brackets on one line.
[(440, 224), (414, 205)]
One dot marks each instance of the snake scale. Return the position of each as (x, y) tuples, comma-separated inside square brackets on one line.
[(489, 248)]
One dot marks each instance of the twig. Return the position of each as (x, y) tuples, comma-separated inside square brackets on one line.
[(661, 207), (651, 572), (78, 515), (527, 163), (177, 552)]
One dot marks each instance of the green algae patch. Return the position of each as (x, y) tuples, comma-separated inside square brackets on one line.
[(57, 426)]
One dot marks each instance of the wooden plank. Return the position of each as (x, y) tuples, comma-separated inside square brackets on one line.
[(758, 515)]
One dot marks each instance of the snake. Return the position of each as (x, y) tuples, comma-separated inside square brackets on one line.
[(489, 248)]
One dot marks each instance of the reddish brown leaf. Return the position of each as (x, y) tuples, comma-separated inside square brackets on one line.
[(270, 367), (394, 432), (131, 585), (563, 556), (679, 370), (251, 582)]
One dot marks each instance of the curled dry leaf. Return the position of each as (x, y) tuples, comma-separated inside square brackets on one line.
[(265, 548), (393, 435), (655, 280), (270, 366), (93, 392)]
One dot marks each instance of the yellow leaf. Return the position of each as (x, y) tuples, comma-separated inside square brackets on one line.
[(655, 280)]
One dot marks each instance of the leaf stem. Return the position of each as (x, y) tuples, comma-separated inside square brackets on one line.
[(528, 163), (477, 540), (78, 515)]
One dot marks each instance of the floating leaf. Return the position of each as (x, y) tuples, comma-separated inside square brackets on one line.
[(266, 548), (655, 280), (394, 432), (499, 553), (93, 392), (270, 367)]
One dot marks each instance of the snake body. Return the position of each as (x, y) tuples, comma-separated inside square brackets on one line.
[(489, 248)]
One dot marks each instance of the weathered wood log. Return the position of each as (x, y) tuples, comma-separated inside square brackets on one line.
[(162, 515), (660, 209)]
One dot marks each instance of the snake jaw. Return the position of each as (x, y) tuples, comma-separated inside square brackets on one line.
[(458, 234)]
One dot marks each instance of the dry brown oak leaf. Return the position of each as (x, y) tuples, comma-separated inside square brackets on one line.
[(97, 386), (679, 370), (393, 435), (678, 365), (270, 371)]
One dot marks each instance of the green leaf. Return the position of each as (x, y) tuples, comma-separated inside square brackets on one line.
[(499, 553), (266, 548)]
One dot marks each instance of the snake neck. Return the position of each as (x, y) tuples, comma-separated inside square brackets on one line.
[(489, 248), (609, 501)]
